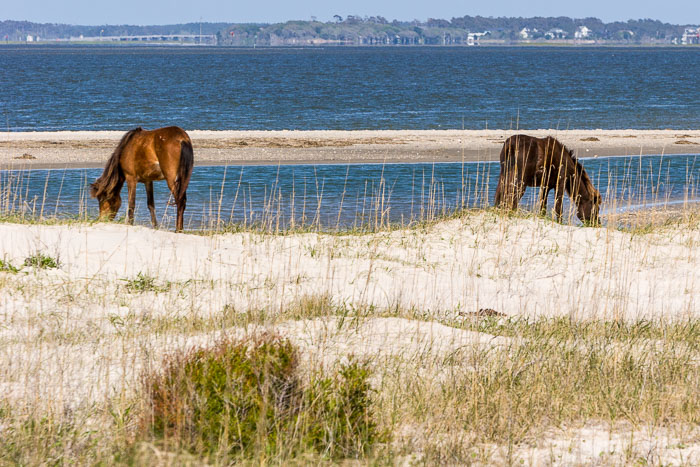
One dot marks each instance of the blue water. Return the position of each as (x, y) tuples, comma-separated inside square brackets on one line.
[(118, 88), (346, 196)]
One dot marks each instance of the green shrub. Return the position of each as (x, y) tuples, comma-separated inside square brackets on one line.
[(340, 423), (41, 261), (246, 399), (7, 266), (145, 283)]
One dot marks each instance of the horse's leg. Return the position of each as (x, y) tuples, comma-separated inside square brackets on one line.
[(151, 203), (518, 192), (544, 194), (181, 203), (131, 186), (506, 191), (499, 192), (559, 197)]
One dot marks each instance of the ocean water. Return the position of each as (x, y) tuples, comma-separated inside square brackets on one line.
[(118, 88), (346, 196), (49, 88)]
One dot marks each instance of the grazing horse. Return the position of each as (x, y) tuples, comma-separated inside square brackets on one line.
[(547, 164), (146, 156)]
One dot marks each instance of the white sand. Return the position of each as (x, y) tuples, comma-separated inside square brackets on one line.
[(74, 337), (520, 267), (524, 267)]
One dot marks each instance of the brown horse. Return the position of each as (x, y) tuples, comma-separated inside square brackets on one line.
[(146, 156), (547, 164)]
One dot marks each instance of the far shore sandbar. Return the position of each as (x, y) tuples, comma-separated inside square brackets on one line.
[(90, 149)]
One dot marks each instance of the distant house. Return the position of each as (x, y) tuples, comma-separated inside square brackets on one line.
[(526, 33), (473, 37), (30, 38), (555, 33), (582, 32), (690, 36)]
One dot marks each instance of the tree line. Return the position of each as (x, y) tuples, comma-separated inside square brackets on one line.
[(372, 30)]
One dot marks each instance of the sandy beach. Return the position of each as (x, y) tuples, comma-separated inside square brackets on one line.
[(519, 267), (79, 335), (79, 149)]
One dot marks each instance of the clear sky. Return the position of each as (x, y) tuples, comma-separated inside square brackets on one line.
[(95, 12)]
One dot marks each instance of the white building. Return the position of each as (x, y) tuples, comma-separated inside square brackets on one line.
[(473, 37), (30, 38), (691, 36), (582, 32), (555, 33)]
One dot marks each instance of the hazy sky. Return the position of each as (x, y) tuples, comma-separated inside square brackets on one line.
[(94, 12)]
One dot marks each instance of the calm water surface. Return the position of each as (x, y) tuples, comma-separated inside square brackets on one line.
[(346, 196), (118, 88)]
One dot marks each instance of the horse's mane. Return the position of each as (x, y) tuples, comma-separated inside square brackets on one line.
[(112, 174)]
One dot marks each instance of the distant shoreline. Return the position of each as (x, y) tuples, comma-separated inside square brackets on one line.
[(90, 149), (494, 44)]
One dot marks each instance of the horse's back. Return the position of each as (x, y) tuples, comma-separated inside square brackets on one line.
[(167, 134), (518, 147), (155, 154)]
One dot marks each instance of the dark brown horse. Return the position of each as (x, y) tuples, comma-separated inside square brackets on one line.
[(547, 164), (146, 156)]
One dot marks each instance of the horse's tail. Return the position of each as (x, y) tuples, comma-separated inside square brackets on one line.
[(184, 170), (505, 150), (506, 157), (509, 151), (112, 175)]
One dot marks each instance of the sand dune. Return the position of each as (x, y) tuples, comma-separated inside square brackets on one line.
[(519, 267), (77, 338)]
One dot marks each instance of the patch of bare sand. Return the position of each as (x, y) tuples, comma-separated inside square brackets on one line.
[(512, 265), (92, 148), (55, 369), (620, 445)]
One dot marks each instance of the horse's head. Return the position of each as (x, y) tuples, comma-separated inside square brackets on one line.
[(109, 203), (589, 207)]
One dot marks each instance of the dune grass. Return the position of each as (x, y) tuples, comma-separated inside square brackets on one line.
[(477, 404), (537, 379)]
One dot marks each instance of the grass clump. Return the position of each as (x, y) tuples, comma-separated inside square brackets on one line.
[(6, 266), (145, 283), (247, 399), (339, 423), (41, 261)]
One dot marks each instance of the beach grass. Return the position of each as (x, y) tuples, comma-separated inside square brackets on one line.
[(591, 354), (499, 402)]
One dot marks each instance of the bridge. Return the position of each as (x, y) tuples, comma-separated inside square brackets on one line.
[(189, 38)]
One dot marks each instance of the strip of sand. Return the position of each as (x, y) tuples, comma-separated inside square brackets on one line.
[(84, 149)]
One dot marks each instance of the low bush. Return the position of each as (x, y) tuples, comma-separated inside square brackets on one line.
[(246, 398)]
